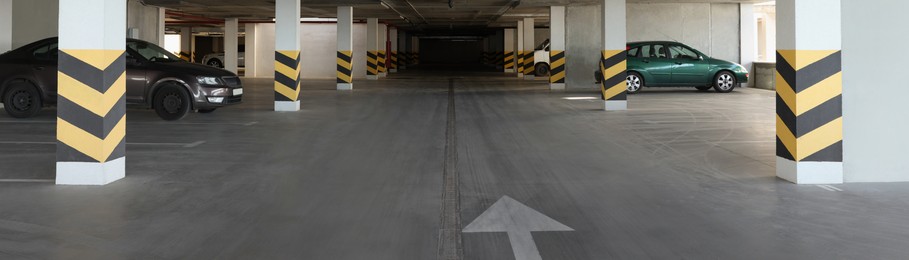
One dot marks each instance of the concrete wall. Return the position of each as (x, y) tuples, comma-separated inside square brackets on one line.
[(876, 114), (319, 53), (145, 18), (34, 20), (584, 46), (711, 28)]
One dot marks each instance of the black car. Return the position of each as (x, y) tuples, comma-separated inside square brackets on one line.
[(155, 78)]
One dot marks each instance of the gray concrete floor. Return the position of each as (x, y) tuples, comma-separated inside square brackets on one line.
[(358, 175)]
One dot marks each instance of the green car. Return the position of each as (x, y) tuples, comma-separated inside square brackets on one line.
[(664, 63)]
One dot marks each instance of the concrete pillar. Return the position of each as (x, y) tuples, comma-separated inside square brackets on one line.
[(613, 61), (557, 48), (509, 46), (345, 48), (747, 29), (186, 43), (250, 54), (402, 50), (287, 55), (91, 114), (383, 50), (372, 48), (231, 44), (393, 53), (809, 85), (415, 48), (500, 50), (519, 66), (6, 25), (529, 45), (161, 27)]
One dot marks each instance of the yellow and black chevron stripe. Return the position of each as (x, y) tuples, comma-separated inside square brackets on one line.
[(345, 67), (287, 75), (528, 63), (372, 63), (91, 106), (500, 58), (809, 105), (382, 62), (509, 60), (416, 58), (556, 66), (520, 65), (613, 64), (393, 60)]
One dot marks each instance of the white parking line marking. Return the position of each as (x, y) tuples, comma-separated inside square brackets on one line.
[(198, 143), (825, 187), (185, 145), (251, 123), (834, 188)]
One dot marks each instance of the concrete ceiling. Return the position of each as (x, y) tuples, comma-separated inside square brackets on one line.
[(431, 15)]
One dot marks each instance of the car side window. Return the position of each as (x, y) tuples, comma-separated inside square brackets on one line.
[(659, 51), (679, 52), (633, 52), (46, 52)]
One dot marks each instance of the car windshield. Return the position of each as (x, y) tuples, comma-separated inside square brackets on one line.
[(151, 52)]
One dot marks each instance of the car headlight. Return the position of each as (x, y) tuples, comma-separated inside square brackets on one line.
[(209, 80)]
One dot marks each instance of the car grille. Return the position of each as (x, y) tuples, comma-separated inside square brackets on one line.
[(233, 82), (233, 99)]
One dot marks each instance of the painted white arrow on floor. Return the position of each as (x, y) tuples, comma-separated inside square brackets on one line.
[(518, 220)]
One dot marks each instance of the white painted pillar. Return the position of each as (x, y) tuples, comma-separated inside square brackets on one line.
[(287, 55), (186, 44), (6, 25), (747, 28), (509, 50), (393, 53), (529, 45), (161, 27), (383, 50), (372, 48), (91, 115), (250, 54), (231, 44), (345, 48), (557, 47), (809, 87), (613, 61), (519, 65)]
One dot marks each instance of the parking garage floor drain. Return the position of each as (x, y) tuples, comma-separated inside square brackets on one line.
[(450, 247)]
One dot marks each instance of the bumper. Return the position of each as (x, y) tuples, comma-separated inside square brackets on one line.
[(215, 97)]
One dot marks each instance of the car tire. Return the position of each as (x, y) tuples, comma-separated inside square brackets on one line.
[(724, 82), (171, 102), (206, 110), (541, 69), (22, 100), (704, 88), (634, 82), (215, 63)]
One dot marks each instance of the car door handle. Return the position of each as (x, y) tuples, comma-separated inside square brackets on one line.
[(39, 67), (679, 63), (646, 61)]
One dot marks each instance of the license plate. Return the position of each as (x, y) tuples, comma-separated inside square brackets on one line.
[(238, 91)]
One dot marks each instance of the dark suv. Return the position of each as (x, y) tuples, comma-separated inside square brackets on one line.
[(155, 78)]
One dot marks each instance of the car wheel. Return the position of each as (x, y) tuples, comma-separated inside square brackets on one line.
[(215, 63), (703, 88), (22, 100), (634, 82), (724, 82), (171, 102), (541, 69), (206, 110)]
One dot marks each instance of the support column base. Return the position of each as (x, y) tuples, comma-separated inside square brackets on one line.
[(529, 77), (509, 70), (345, 86), (809, 172), (90, 173), (393, 70), (615, 105), (383, 74), (287, 106), (556, 86), (520, 75), (372, 77), (400, 67)]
